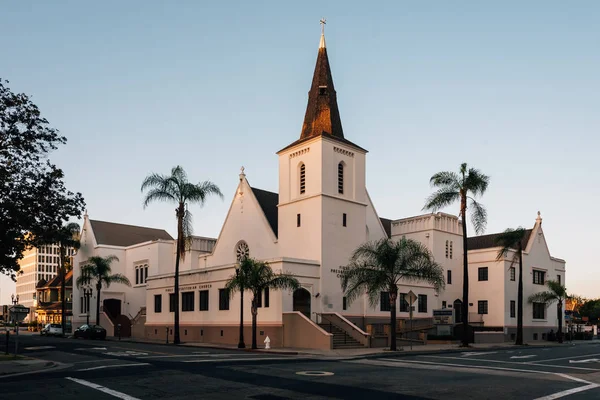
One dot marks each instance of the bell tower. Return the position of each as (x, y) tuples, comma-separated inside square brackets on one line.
[(322, 191)]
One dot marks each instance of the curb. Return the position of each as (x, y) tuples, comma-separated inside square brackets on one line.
[(47, 367)]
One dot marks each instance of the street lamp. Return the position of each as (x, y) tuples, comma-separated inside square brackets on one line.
[(87, 293), (241, 344), (15, 301)]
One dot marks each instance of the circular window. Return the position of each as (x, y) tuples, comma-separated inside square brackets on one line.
[(242, 250)]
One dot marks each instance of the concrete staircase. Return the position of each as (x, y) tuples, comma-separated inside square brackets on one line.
[(341, 340)]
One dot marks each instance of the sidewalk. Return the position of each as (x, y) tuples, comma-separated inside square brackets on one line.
[(23, 365)]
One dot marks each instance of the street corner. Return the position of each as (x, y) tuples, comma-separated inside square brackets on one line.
[(11, 366)]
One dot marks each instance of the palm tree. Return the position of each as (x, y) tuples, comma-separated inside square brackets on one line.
[(258, 277), (464, 186), (556, 292), (97, 271), (68, 238), (382, 265), (176, 188), (512, 240)]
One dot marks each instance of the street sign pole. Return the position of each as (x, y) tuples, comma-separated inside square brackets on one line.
[(411, 300), (17, 310)]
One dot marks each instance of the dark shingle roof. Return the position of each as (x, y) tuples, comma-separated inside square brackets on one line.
[(55, 282), (112, 234), (490, 241), (387, 226), (268, 202)]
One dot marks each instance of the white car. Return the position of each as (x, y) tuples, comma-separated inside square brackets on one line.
[(52, 330)]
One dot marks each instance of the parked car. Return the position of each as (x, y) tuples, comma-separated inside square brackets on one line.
[(90, 332), (52, 330)]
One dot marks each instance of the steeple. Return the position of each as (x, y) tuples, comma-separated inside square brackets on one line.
[(322, 114)]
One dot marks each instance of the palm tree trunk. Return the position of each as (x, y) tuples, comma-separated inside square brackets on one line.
[(180, 238), (63, 306), (559, 335), (519, 340), (98, 289), (465, 304), (393, 297), (241, 344), (254, 315)]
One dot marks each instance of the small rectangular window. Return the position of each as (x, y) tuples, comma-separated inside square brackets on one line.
[(259, 300), (298, 221), (539, 310), (204, 300), (483, 273), (558, 279), (482, 307), (171, 302), (512, 273), (384, 302), (145, 273), (187, 301), (137, 276), (449, 280), (444, 304), (422, 299), (344, 304), (157, 303), (513, 308), (266, 297), (539, 277), (223, 299), (344, 219)]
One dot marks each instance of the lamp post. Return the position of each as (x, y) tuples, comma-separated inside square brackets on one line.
[(241, 344), (87, 293), (15, 300)]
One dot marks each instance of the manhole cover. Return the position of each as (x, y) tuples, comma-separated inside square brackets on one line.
[(314, 373)]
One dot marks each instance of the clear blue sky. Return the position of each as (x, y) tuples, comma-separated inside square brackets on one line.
[(510, 87)]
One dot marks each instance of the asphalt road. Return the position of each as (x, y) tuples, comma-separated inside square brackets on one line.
[(108, 370)]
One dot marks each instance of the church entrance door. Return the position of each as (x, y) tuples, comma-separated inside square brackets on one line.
[(302, 301), (458, 311)]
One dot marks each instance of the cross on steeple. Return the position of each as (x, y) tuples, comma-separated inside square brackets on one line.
[(323, 21)]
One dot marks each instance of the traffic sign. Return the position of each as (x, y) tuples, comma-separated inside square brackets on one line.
[(411, 297), (19, 310)]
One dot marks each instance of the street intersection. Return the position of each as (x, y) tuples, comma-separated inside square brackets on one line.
[(109, 370)]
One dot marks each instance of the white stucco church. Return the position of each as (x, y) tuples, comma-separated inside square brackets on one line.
[(321, 214)]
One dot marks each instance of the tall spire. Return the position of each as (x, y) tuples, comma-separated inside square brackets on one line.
[(322, 114)]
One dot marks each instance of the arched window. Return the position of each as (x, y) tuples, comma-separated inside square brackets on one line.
[(446, 249), (242, 250), (341, 178), (302, 179)]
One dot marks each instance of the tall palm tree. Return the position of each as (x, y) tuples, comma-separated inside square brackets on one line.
[(382, 265), (258, 277), (556, 292), (512, 240), (463, 187), (68, 237), (176, 188), (97, 271)]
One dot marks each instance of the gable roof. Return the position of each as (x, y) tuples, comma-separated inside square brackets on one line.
[(491, 241), (55, 282), (387, 226), (268, 203), (112, 234)]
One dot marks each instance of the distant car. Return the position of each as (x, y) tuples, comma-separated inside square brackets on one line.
[(90, 332), (52, 330)]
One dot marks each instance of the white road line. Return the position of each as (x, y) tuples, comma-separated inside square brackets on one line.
[(529, 356), (113, 366), (169, 356), (40, 348), (511, 362), (568, 392), (106, 390), (477, 353), (236, 359), (567, 358)]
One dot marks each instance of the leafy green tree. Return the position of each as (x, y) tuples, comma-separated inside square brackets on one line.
[(97, 271), (382, 265), (463, 187), (590, 309), (34, 201), (555, 293), (257, 277), (176, 188), (512, 240)]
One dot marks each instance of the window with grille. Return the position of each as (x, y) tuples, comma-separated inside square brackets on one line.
[(187, 301), (539, 310), (483, 273), (204, 300), (302, 179), (422, 299), (512, 273), (223, 299), (384, 302), (539, 277), (341, 178), (157, 303), (141, 274), (482, 307)]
